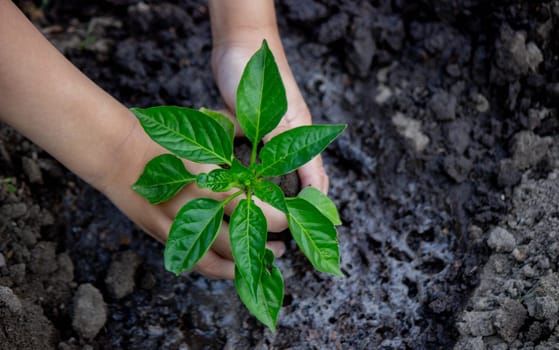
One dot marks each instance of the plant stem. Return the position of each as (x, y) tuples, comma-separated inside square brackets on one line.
[(253, 154), (231, 197)]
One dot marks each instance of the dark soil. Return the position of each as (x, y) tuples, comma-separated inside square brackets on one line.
[(446, 179)]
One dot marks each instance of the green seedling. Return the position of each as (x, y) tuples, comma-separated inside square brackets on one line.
[(206, 136), (9, 182)]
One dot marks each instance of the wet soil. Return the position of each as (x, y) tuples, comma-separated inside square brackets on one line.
[(446, 179)]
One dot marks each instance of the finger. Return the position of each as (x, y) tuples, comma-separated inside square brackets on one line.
[(222, 245), (277, 247), (275, 219), (216, 267), (314, 174)]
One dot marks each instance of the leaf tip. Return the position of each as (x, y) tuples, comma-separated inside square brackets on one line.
[(338, 273)]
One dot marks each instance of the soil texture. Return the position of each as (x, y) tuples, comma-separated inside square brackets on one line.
[(447, 182)]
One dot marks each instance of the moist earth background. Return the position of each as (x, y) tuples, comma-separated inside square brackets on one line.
[(446, 180)]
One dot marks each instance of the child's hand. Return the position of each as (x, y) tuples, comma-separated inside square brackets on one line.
[(238, 28), (130, 158), (228, 61)]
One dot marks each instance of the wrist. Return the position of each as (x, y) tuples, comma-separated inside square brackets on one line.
[(242, 22)]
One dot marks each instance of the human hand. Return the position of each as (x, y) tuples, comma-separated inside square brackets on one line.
[(133, 154), (94, 135), (228, 62)]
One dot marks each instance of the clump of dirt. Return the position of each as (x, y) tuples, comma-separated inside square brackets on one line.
[(446, 180), (516, 303)]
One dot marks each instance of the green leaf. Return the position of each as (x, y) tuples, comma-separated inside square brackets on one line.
[(187, 132), (272, 194), (321, 202), (266, 304), (291, 149), (225, 122), (217, 180), (248, 232), (241, 173), (163, 177), (261, 99), (315, 235), (194, 230)]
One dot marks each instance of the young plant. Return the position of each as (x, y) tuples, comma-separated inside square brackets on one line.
[(206, 136)]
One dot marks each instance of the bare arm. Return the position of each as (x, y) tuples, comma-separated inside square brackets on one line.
[(53, 104)]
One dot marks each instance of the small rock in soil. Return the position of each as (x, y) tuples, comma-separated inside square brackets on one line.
[(410, 129), (458, 135), (120, 278), (362, 49), (12, 211), (481, 103), (509, 319), (543, 307), (28, 236), (501, 240), (457, 168), (32, 170), (9, 300), (65, 272), (43, 258), (443, 106), (520, 253), (507, 173), (333, 29), (17, 273), (2, 260), (470, 343), (476, 323), (529, 149), (306, 11), (90, 312), (514, 56)]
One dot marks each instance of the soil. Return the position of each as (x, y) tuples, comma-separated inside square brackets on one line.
[(446, 179)]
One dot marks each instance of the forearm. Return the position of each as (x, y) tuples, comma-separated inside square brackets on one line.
[(240, 20), (52, 103)]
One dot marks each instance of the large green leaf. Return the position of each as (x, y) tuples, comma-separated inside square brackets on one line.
[(225, 122), (187, 132), (291, 149), (217, 180), (162, 178), (194, 230), (248, 233), (269, 296), (272, 194), (315, 235), (261, 99), (321, 202)]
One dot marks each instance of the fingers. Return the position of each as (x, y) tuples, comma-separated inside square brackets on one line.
[(214, 266), (313, 174), (222, 244), (277, 247), (275, 219)]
